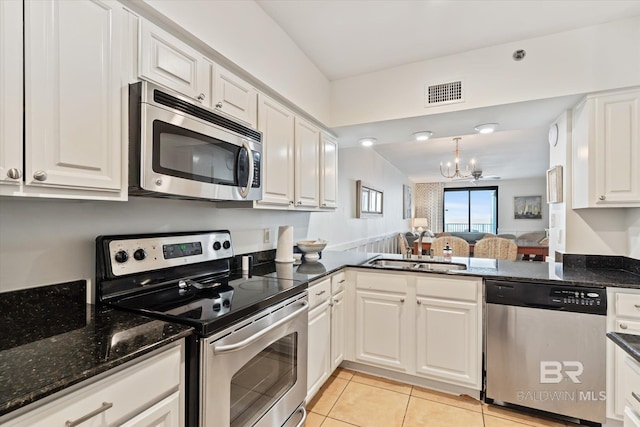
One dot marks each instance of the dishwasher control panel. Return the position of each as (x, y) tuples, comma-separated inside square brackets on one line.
[(578, 297), (547, 296)]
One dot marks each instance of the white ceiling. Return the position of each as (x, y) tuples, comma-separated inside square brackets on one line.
[(350, 37)]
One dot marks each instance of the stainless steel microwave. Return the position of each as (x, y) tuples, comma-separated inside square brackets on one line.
[(179, 149)]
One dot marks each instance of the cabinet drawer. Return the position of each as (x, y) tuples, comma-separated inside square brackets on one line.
[(627, 326), (446, 287), (122, 395), (319, 292), (337, 282), (628, 305), (382, 282)]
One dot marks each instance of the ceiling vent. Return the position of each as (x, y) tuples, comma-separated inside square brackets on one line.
[(443, 93)]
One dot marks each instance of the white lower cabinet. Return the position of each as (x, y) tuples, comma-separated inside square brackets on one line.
[(380, 320), (319, 343), (147, 393), (338, 318), (425, 325), (623, 372)]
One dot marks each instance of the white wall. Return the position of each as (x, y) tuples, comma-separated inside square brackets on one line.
[(507, 190), (244, 34), (584, 60), (342, 226), (558, 155), (633, 232), (51, 241)]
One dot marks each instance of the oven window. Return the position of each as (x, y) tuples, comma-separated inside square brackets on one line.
[(186, 154), (263, 380)]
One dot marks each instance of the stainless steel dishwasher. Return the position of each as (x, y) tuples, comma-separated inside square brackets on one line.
[(545, 348)]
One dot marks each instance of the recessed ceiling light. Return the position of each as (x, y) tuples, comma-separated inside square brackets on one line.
[(367, 142), (422, 135), (486, 128)]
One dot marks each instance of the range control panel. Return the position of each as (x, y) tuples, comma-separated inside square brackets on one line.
[(577, 297), (137, 255)]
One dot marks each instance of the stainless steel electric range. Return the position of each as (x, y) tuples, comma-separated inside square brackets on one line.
[(246, 363)]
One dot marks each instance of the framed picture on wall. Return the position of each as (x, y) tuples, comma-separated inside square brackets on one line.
[(554, 184), (527, 207), (369, 201), (406, 202)]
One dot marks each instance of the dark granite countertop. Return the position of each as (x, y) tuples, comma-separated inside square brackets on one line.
[(627, 342), (51, 339), (550, 272)]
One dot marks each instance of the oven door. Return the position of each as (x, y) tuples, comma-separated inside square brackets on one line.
[(187, 157), (255, 373)]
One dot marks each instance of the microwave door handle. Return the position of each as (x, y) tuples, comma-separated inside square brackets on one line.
[(244, 192), (217, 349)]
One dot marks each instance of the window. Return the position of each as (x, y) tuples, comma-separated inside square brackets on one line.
[(471, 209)]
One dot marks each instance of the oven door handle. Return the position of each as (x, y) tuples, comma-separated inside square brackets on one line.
[(304, 416), (247, 341)]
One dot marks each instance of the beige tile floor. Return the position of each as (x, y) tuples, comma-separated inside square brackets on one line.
[(350, 399)]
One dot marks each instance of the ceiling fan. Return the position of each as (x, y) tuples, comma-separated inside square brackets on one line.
[(476, 176)]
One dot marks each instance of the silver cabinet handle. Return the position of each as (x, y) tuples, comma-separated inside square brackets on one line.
[(623, 326), (40, 176), (299, 203), (324, 204), (419, 302), (320, 293), (637, 306), (635, 396), (603, 197), (401, 299), (219, 105), (14, 173), (342, 281), (290, 202), (330, 305), (201, 97), (336, 300), (104, 407), (247, 341)]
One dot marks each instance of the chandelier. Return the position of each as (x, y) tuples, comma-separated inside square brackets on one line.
[(456, 173)]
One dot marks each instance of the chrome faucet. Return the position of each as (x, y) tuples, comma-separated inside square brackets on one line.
[(422, 233)]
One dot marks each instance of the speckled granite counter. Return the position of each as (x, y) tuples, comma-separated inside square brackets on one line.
[(627, 342), (487, 268), (51, 339)]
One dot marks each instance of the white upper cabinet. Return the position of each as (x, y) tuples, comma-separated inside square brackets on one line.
[(328, 172), (307, 155), (11, 131), (606, 150), (166, 60), (73, 97), (235, 96), (276, 124)]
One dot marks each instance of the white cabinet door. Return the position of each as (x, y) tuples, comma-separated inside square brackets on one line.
[(606, 150), (447, 341), (73, 94), (380, 322), (235, 96), (11, 92), (169, 62), (329, 172), (338, 326), (276, 124), (165, 413), (307, 154), (319, 350), (617, 152)]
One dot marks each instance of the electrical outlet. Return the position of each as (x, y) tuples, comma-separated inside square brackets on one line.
[(266, 238)]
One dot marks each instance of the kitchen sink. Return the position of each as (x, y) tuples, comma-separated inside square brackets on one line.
[(410, 264)]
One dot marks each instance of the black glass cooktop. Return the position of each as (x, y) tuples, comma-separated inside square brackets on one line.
[(220, 302)]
